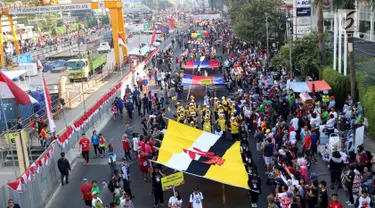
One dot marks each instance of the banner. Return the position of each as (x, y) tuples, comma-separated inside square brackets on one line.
[(48, 9), (188, 80)]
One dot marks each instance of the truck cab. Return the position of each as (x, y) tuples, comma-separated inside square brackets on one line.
[(78, 69)]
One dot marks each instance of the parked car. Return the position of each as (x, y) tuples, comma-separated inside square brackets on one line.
[(104, 47), (58, 66), (54, 66)]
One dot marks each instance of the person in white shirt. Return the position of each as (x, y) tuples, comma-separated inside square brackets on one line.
[(334, 113), (294, 122), (135, 144), (175, 201), (315, 119), (364, 201), (331, 124), (96, 201), (196, 199)]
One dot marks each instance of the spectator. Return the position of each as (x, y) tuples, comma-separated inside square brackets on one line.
[(64, 168)]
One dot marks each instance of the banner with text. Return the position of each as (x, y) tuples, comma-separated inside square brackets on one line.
[(47, 9)]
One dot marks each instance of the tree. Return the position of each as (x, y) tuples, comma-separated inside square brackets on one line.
[(318, 6), (305, 54), (249, 19), (350, 4)]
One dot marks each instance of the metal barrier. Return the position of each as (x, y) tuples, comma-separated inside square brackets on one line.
[(37, 192)]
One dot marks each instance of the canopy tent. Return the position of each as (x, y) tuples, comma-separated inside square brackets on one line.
[(188, 80), (14, 74), (203, 64), (140, 52), (299, 87), (202, 154), (318, 86), (10, 90)]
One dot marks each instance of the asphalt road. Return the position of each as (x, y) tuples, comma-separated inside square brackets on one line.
[(214, 193)]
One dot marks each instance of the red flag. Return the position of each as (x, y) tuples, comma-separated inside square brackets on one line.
[(20, 34), (47, 98), (121, 41), (10, 90), (162, 30), (153, 36)]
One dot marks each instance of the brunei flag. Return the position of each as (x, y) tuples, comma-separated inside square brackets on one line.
[(202, 154), (188, 80), (203, 64)]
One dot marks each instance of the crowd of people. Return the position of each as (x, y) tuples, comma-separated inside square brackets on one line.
[(260, 107)]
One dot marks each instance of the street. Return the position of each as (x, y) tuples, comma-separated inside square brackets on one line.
[(215, 194)]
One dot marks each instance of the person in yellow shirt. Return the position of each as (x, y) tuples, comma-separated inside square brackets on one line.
[(222, 123), (234, 129), (207, 124), (43, 136), (225, 105), (216, 107)]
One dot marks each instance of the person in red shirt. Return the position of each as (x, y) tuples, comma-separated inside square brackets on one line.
[(85, 144), (126, 146), (86, 192), (334, 203)]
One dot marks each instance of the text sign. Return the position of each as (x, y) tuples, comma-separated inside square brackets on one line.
[(303, 12), (348, 20), (303, 3), (174, 180), (47, 9), (303, 20), (303, 29)]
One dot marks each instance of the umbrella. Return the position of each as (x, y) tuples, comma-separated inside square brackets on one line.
[(8, 89)]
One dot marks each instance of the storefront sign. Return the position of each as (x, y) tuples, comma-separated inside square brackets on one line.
[(303, 29), (303, 12), (303, 3)]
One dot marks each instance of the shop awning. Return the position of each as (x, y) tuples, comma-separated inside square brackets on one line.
[(299, 87), (319, 85)]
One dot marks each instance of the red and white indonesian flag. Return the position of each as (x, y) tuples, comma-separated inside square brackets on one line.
[(153, 35), (9, 90), (17, 186), (121, 41), (48, 103)]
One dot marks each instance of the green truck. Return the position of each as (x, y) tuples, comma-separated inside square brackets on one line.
[(82, 68)]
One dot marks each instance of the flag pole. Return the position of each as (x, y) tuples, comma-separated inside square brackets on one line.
[(8, 133)]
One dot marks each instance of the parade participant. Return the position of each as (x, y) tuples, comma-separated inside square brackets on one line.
[(234, 129), (254, 188), (102, 141), (85, 146), (196, 199), (207, 124), (86, 193), (334, 203), (175, 201), (221, 123), (157, 188)]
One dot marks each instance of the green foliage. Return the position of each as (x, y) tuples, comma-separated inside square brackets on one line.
[(105, 20), (340, 84), (305, 55), (61, 30), (249, 19), (367, 99)]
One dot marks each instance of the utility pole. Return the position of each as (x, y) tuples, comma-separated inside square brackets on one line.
[(289, 46)]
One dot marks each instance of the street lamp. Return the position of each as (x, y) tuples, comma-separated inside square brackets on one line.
[(268, 48), (288, 21), (83, 93)]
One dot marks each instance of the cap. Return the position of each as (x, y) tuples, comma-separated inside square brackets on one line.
[(85, 179), (93, 193), (196, 189)]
